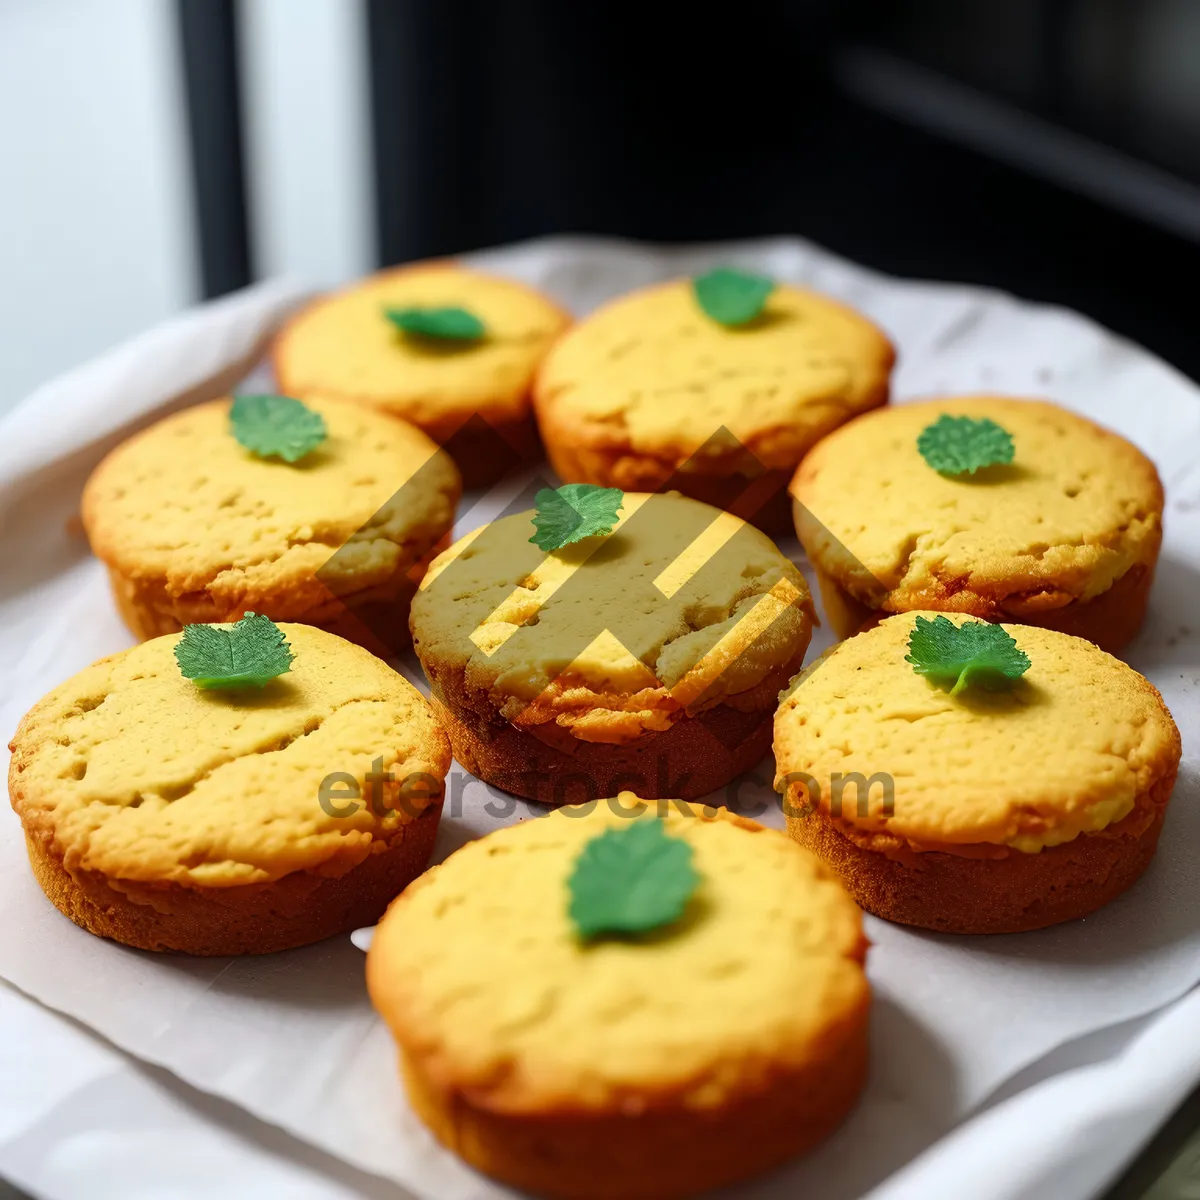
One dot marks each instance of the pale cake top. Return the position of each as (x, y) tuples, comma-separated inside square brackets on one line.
[(138, 773), (484, 982), (680, 607), (1077, 508), (185, 504), (652, 373), (1068, 750), (344, 345)]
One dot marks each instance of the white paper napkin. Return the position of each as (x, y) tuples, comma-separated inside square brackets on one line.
[(291, 1037)]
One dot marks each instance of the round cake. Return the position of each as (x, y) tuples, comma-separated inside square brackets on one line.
[(650, 393), (1065, 535), (646, 1065), (195, 528), (470, 394), (170, 817), (985, 811), (649, 658)]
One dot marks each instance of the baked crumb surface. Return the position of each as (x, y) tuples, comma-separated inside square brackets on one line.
[(484, 982), (1076, 509), (681, 607), (650, 373), (132, 770), (184, 507), (343, 345), (1067, 751)]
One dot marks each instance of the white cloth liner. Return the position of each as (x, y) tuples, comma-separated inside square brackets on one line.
[(291, 1038)]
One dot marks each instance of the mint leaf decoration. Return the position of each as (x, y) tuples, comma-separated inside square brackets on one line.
[(248, 654), (963, 445), (972, 653), (437, 324), (631, 880), (276, 426), (732, 297), (573, 512)]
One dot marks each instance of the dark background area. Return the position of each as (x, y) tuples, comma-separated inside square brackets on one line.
[(670, 123)]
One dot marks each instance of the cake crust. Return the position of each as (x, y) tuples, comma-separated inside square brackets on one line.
[(299, 909), (692, 756), (1009, 892), (1110, 620)]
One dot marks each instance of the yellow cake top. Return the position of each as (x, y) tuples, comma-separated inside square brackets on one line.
[(485, 983), (681, 607), (652, 371), (185, 503), (1077, 508), (136, 772), (344, 345), (1066, 751)]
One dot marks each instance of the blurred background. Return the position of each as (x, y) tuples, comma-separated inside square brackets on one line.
[(158, 152)]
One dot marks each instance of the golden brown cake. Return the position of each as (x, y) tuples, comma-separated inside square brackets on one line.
[(170, 817), (649, 658), (645, 1066), (195, 528), (1065, 536), (649, 392), (472, 396), (981, 812)]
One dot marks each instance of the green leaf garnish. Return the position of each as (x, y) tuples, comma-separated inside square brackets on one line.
[(276, 426), (963, 445), (972, 653), (248, 654), (732, 297), (573, 512), (437, 324), (631, 880)]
